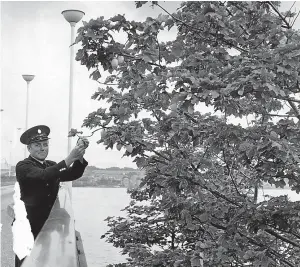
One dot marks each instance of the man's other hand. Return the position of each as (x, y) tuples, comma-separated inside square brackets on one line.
[(76, 154)]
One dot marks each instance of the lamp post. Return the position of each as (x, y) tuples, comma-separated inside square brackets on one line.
[(19, 130), (72, 16), (18, 137), (10, 158), (28, 78)]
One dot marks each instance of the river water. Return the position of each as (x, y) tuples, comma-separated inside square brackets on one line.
[(92, 205), (292, 195)]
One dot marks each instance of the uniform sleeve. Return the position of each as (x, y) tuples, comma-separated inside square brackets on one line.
[(28, 171), (74, 172)]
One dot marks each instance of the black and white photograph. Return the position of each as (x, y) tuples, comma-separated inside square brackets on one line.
[(150, 133)]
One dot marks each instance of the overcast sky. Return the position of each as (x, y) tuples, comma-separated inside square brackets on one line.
[(35, 40)]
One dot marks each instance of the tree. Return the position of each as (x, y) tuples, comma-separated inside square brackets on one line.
[(202, 172)]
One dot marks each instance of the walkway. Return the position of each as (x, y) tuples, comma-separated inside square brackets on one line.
[(7, 255)]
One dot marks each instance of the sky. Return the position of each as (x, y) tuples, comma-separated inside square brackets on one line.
[(35, 39)]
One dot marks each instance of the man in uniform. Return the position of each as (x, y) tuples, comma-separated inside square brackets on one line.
[(39, 178)]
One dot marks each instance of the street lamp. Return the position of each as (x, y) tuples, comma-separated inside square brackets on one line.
[(28, 78), (71, 16), (10, 158)]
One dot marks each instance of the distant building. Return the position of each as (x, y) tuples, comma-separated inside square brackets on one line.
[(4, 167), (113, 177), (126, 182), (132, 181)]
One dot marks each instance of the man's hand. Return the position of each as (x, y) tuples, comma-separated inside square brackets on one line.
[(84, 141), (76, 154)]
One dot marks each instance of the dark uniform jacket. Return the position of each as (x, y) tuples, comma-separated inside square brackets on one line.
[(39, 185)]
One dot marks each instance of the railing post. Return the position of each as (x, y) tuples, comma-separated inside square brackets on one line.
[(80, 251)]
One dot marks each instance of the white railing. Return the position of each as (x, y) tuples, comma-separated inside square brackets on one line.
[(57, 244)]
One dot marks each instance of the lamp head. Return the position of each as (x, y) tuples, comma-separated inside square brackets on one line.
[(27, 77), (72, 16)]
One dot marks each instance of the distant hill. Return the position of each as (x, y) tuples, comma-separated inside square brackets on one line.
[(111, 168), (95, 171), (110, 177)]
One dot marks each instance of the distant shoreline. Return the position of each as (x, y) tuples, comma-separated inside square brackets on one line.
[(12, 182), (9, 183), (6, 183), (97, 186)]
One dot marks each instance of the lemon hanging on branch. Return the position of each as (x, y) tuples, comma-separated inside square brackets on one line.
[(129, 148), (120, 60), (114, 63)]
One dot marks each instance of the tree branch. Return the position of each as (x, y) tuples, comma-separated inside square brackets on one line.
[(190, 117), (278, 115), (93, 132), (290, 232), (295, 19), (279, 14), (294, 108), (284, 239), (229, 172), (137, 58), (159, 55), (216, 193), (154, 151), (254, 242), (275, 253), (198, 165), (198, 30), (288, 99), (155, 115), (107, 83), (289, 9), (229, 12)]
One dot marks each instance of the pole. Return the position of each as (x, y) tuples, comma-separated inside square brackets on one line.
[(69, 184), (71, 84), (10, 159), (28, 78), (72, 16), (26, 123)]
